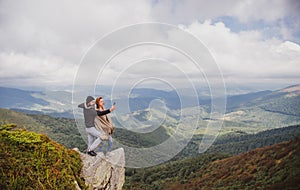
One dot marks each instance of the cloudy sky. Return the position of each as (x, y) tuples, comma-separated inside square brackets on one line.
[(42, 43)]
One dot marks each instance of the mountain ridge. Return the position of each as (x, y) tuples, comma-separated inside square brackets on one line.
[(293, 90), (59, 103)]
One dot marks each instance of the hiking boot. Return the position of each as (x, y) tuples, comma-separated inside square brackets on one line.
[(91, 153)]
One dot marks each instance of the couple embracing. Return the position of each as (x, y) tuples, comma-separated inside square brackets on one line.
[(98, 124)]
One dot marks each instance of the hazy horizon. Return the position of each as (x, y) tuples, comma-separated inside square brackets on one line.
[(230, 89)]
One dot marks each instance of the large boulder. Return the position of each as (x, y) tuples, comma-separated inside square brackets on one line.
[(104, 172)]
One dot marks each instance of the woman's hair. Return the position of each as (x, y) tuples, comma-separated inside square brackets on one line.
[(98, 103)]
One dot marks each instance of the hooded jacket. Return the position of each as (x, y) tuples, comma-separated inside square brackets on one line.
[(90, 113)]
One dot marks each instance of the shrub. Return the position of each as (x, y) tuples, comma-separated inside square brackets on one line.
[(32, 161)]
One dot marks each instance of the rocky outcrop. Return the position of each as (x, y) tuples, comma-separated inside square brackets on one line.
[(104, 172)]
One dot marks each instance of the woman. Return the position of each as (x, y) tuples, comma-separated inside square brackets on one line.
[(104, 124)]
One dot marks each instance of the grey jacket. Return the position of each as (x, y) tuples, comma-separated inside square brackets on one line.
[(90, 113)]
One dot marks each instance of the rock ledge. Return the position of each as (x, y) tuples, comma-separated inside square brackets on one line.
[(104, 172)]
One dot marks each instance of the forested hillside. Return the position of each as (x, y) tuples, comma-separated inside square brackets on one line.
[(238, 142), (271, 167)]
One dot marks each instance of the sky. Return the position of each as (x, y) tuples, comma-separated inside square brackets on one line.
[(43, 44)]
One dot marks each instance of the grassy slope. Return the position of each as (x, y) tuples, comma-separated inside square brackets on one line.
[(33, 161), (21, 120), (61, 130)]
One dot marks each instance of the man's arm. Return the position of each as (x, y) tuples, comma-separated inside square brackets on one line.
[(81, 105)]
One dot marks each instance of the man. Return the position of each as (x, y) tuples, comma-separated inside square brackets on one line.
[(90, 113)]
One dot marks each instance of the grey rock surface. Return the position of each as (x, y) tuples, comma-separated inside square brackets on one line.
[(104, 172)]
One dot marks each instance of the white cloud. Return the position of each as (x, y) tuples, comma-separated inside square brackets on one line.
[(42, 42), (275, 18), (247, 54), (44, 39), (268, 11), (33, 69), (245, 11)]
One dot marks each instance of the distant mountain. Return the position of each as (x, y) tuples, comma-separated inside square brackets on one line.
[(139, 98), (255, 111), (269, 110), (237, 101), (59, 103), (280, 97), (37, 102), (293, 90), (285, 101), (14, 98)]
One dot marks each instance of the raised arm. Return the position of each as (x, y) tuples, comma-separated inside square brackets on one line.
[(100, 113), (81, 105)]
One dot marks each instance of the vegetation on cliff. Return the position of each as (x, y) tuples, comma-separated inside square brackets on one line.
[(33, 161)]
